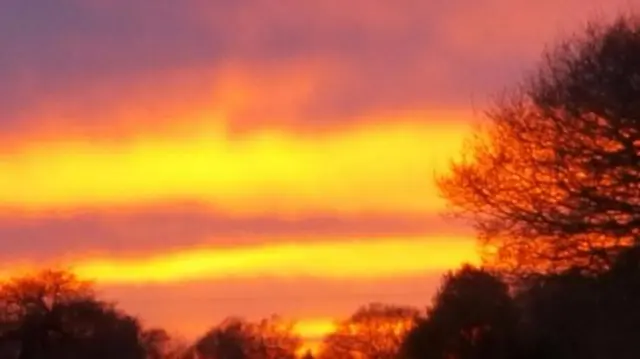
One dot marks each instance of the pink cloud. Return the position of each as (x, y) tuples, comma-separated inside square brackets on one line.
[(93, 56)]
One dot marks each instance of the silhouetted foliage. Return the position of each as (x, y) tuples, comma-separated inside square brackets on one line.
[(552, 181), (375, 331), (158, 344), (234, 338), (577, 315), (155, 342), (54, 315), (472, 316)]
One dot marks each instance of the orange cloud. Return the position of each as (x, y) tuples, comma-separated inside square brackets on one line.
[(385, 166)]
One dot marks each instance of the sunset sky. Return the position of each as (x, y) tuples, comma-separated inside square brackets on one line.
[(206, 158)]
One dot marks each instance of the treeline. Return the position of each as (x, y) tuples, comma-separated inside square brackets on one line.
[(551, 183), (475, 314), (55, 315)]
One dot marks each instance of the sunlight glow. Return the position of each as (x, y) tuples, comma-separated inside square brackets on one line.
[(315, 328), (313, 331)]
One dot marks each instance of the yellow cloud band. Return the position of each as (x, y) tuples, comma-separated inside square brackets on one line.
[(382, 166), (334, 260)]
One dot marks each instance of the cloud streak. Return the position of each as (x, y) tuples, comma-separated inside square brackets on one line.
[(114, 233), (342, 259), (378, 168)]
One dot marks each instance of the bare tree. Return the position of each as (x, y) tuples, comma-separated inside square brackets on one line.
[(271, 338), (553, 179), (375, 331)]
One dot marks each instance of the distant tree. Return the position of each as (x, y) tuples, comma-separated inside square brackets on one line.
[(158, 344), (308, 355), (155, 343), (54, 315), (375, 331), (472, 317), (271, 338), (553, 179)]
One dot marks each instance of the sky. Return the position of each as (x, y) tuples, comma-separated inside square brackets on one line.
[(199, 159)]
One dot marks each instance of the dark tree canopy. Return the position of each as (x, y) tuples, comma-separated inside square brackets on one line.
[(54, 315), (472, 317), (576, 315), (553, 179)]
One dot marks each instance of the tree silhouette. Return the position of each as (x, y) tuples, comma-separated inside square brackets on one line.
[(553, 180), (308, 355), (576, 315), (54, 315), (375, 331), (234, 338), (158, 344), (472, 317), (560, 316)]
